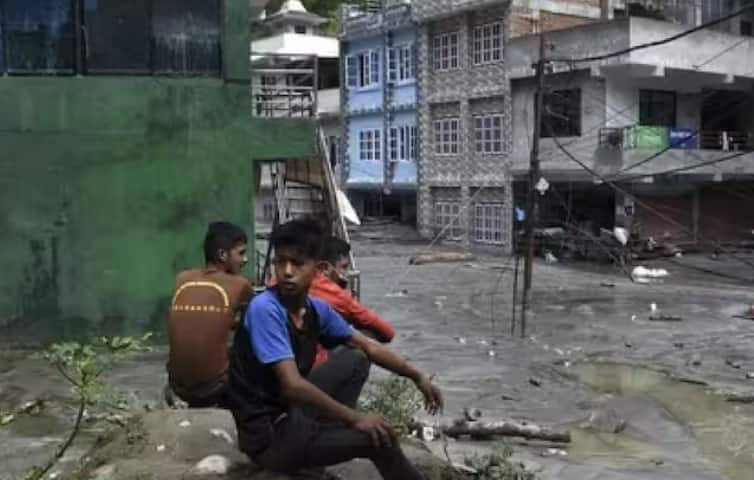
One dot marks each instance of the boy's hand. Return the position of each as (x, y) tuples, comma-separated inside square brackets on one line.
[(376, 427), (433, 400)]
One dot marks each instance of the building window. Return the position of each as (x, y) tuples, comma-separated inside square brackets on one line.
[(301, 29), (488, 44), (39, 36), (447, 220), (488, 133), (370, 147), (401, 66), (186, 36), (363, 69), (657, 108), (747, 28), (447, 136), (175, 37), (402, 142), (445, 51), (561, 116), (119, 36), (488, 222)]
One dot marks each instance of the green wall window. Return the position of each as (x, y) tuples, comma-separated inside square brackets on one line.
[(38, 36), (171, 37), (187, 36), (118, 36)]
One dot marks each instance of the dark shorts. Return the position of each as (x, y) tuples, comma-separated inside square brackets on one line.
[(207, 395)]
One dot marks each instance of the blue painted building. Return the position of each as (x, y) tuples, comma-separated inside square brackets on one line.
[(378, 59)]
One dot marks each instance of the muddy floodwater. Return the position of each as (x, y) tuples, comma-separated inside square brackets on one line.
[(667, 420), (590, 348)]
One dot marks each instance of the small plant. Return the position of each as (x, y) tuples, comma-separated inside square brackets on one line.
[(396, 399), (497, 465), (83, 365)]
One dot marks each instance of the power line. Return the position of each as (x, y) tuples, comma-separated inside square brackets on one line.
[(713, 161), (657, 43)]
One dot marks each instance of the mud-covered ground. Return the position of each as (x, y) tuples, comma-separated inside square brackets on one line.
[(590, 348)]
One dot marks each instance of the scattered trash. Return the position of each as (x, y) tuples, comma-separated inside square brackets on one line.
[(401, 294), (184, 424), (222, 434), (665, 318), (732, 363), (678, 344), (472, 413), (6, 419), (628, 344), (212, 465), (461, 340), (607, 285), (465, 469), (160, 448), (542, 186), (508, 398), (621, 234), (642, 274), (553, 452), (535, 382), (750, 376), (696, 360), (559, 352), (33, 407), (658, 461), (491, 353), (550, 258), (482, 342), (53, 475), (427, 434), (633, 318)]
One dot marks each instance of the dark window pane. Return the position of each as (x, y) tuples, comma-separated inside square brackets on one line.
[(118, 34), (187, 36), (562, 114), (39, 35), (657, 108)]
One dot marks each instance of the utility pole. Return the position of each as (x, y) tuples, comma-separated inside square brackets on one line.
[(532, 204)]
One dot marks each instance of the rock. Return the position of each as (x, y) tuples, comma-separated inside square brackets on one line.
[(535, 382), (732, 363), (605, 420), (220, 433), (105, 472), (212, 465)]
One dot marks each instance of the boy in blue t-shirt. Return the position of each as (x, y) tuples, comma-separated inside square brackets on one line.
[(290, 417)]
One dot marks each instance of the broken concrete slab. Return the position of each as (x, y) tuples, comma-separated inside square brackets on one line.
[(441, 257), (192, 448)]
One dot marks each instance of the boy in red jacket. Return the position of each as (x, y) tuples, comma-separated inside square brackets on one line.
[(331, 285)]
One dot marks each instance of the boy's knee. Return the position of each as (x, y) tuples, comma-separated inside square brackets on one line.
[(360, 361)]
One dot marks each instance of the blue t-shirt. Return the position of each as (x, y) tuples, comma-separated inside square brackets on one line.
[(266, 320)]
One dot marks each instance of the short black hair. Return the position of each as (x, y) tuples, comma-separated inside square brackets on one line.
[(334, 249), (303, 234), (222, 236)]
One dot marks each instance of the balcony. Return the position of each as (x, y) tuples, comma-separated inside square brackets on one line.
[(713, 57), (284, 85), (662, 138)]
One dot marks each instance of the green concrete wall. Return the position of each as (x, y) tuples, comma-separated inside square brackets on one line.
[(107, 185)]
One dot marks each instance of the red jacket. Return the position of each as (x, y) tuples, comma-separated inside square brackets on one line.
[(349, 308)]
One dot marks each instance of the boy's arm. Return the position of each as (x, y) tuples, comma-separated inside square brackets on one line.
[(345, 304), (384, 357)]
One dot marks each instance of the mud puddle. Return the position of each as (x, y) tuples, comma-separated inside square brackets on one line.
[(668, 422)]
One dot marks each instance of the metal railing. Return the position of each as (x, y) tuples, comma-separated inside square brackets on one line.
[(625, 138), (284, 85)]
